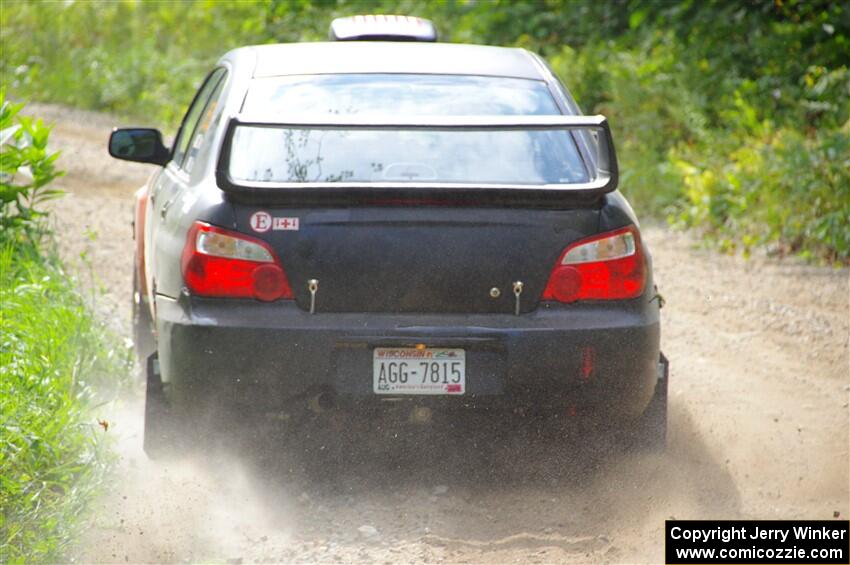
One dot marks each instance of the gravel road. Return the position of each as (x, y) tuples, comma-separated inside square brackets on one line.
[(758, 427)]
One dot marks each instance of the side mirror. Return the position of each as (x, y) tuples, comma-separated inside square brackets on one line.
[(142, 145)]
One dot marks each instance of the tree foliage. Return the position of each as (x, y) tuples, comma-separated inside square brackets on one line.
[(695, 89)]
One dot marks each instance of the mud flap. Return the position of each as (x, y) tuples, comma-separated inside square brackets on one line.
[(160, 437), (650, 433), (144, 341)]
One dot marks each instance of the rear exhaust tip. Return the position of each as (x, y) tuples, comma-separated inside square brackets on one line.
[(322, 402)]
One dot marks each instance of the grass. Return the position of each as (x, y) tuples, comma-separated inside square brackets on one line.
[(57, 361)]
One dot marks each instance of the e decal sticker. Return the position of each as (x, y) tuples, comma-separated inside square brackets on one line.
[(261, 221)]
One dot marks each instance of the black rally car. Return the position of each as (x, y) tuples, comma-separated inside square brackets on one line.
[(375, 224)]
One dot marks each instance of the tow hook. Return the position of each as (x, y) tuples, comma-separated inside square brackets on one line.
[(517, 293), (313, 287)]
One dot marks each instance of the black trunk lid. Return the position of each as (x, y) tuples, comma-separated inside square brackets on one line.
[(419, 259)]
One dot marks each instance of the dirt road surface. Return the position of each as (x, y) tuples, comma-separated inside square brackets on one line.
[(758, 427)]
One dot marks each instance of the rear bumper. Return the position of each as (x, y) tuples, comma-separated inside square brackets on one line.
[(602, 358)]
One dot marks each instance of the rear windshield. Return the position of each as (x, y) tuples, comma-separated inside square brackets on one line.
[(278, 154), (261, 153)]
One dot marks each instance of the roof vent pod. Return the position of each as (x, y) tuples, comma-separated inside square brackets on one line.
[(382, 28)]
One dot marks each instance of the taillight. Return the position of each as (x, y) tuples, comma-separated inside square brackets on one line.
[(608, 266), (221, 263)]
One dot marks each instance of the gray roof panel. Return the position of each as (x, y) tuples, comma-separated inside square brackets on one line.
[(392, 57)]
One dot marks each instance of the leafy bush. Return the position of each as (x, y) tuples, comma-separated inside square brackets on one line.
[(780, 187), (54, 355), (26, 168)]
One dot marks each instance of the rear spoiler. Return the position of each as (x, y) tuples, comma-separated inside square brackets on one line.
[(602, 166)]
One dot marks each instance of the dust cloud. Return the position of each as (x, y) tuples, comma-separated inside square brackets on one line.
[(192, 507), (489, 496)]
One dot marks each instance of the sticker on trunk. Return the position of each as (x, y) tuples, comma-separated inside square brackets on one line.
[(285, 224), (261, 221)]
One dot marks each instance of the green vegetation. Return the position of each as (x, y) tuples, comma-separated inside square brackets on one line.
[(54, 356), (730, 117)]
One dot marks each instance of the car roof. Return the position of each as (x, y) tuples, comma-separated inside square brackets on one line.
[(391, 57)]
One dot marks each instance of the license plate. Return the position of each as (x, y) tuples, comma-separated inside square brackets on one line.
[(409, 370)]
